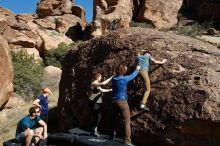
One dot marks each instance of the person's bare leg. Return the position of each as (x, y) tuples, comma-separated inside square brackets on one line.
[(38, 134), (29, 136)]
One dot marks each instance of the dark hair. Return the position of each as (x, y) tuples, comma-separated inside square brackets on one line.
[(121, 70), (147, 52), (115, 20), (32, 110), (95, 75), (143, 51)]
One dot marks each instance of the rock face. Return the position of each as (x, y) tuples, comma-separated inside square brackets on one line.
[(26, 31), (105, 11), (202, 9), (185, 93), (51, 76), (6, 72), (161, 13), (54, 7), (79, 12)]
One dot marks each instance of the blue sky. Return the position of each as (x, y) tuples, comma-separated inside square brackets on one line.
[(29, 6)]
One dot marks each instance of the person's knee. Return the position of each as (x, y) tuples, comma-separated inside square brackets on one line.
[(29, 132), (39, 130)]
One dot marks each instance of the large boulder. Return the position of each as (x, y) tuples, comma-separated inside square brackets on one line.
[(161, 13), (80, 12), (202, 9), (51, 79), (105, 11), (54, 7), (3, 23), (51, 39), (9, 16), (6, 70), (53, 30), (185, 93)]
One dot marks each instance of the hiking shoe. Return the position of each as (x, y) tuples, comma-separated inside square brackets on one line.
[(32, 144), (143, 107), (95, 134)]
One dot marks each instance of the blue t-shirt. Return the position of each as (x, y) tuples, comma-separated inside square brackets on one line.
[(119, 86), (44, 104), (26, 123), (143, 61)]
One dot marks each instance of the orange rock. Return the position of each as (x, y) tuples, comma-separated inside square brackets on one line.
[(6, 72)]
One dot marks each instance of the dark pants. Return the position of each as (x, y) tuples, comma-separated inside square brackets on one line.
[(44, 117), (122, 108), (96, 114)]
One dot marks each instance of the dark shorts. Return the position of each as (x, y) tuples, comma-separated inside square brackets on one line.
[(20, 137)]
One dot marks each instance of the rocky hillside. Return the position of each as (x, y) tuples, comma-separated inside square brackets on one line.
[(55, 22), (161, 14), (184, 101)]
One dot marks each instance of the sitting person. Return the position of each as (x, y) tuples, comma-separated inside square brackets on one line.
[(26, 130), (95, 99)]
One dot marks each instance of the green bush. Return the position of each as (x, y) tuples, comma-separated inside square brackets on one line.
[(55, 57), (140, 24), (193, 30), (27, 75)]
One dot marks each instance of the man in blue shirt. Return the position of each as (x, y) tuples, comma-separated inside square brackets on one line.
[(143, 60), (26, 128)]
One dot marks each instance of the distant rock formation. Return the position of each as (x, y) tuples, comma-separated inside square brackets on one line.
[(6, 72), (54, 7), (162, 14), (105, 11), (185, 93), (56, 22), (29, 32)]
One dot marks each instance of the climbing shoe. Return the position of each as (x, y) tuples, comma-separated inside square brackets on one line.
[(143, 107)]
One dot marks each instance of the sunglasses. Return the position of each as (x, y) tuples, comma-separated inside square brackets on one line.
[(37, 111)]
